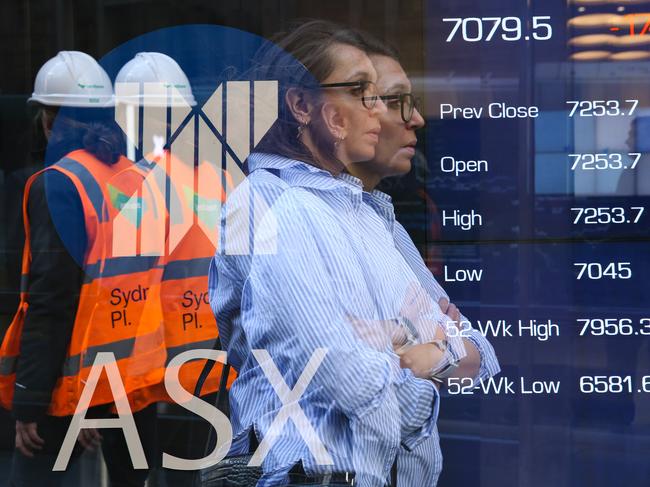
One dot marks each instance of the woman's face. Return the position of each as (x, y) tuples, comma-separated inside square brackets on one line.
[(359, 125), (397, 140)]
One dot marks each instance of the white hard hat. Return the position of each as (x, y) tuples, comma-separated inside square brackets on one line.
[(72, 79), (157, 72)]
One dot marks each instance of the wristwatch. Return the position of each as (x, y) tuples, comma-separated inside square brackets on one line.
[(440, 375)]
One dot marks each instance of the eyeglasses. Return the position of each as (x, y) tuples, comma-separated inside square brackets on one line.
[(407, 103), (367, 90)]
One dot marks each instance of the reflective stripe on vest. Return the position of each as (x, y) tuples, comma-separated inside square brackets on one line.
[(92, 188), (121, 349), (173, 352), (181, 269), (119, 266)]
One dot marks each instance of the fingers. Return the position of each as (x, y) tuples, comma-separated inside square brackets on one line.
[(399, 338), (97, 437), (20, 445), (449, 309), (444, 305), (85, 440), (28, 439), (34, 437), (421, 359), (90, 439), (454, 313)]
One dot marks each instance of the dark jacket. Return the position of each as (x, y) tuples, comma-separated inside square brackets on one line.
[(58, 244)]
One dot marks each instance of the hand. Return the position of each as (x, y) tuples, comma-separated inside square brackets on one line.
[(90, 438), (383, 335), (450, 310), (27, 438), (421, 359), (418, 306)]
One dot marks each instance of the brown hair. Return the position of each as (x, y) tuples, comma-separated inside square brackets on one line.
[(373, 46), (301, 57), (91, 129)]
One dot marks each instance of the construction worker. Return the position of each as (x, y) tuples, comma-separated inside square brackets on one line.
[(167, 182), (73, 289)]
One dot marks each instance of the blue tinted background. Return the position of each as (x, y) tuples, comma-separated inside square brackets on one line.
[(527, 247)]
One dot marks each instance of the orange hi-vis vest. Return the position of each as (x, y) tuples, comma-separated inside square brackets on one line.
[(115, 313), (190, 198)]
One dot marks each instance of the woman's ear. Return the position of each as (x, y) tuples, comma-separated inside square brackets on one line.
[(299, 104), (334, 121)]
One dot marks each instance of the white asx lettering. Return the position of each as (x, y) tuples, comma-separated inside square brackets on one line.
[(125, 421), (211, 414), (290, 410)]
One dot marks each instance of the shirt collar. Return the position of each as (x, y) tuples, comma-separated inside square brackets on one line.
[(375, 195), (262, 160), (378, 200), (351, 180), (381, 197), (298, 173), (382, 204)]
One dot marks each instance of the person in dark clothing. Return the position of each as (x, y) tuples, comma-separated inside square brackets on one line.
[(53, 301), (59, 244), (47, 329)]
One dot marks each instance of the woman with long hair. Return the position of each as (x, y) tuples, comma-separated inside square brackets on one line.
[(306, 274)]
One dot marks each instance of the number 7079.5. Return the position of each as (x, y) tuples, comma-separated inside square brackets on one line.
[(484, 29)]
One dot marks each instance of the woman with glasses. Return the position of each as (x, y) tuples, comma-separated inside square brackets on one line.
[(306, 271), (393, 156)]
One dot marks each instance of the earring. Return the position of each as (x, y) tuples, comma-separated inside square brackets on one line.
[(340, 138), (301, 127)]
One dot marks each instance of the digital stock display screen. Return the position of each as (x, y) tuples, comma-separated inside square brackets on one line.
[(539, 179)]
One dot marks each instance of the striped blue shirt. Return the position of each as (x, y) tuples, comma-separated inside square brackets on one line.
[(308, 261)]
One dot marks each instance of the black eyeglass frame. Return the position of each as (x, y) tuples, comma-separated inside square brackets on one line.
[(368, 102), (402, 97)]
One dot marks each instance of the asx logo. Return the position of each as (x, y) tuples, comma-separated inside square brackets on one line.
[(192, 159), (288, 396)]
